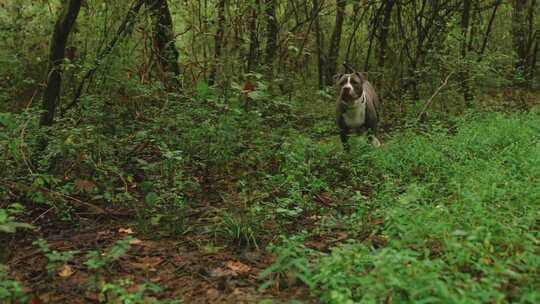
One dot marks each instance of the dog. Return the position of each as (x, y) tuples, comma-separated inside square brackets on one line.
[(356, 107)]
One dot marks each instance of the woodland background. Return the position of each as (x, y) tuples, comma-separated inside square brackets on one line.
[(186, 151)]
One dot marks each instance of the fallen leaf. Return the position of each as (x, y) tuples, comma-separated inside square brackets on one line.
[(85, 185), (237, 267), (133, 288), (237, 292), (147, 263), (125, 231), (135, 242), (65, 272), (317, 245), (341, 236), (212, 293), (221, 272)]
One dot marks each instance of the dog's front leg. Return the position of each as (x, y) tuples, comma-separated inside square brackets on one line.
[(344, 136)]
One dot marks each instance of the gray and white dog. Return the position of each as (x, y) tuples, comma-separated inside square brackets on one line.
[(356, 107)]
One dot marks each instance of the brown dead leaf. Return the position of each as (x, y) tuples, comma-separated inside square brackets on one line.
[(92, 297), (84, 185), (317, 245), (221, 272), (341, 236), (135, 242), (35, 300), (133, 288), (147, 263), (65, 272), (237, 267), (125, 230), (212, 293), (237, 292)]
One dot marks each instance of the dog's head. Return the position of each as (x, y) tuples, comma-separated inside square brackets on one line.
[(350, 85)]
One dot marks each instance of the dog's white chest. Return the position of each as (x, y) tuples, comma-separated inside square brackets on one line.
[(355, 117)]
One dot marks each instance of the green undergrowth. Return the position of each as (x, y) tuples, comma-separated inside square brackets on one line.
[(459, 212), (445, 212)]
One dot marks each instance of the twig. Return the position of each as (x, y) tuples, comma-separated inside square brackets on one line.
[(41, 215), (430, 100)]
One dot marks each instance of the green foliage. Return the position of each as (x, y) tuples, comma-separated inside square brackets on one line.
[(292, 264), (55, 259), (241, 229), (96, 260), (459, 214), (118, 294), (447, 211), (11, 291), (8, 224)]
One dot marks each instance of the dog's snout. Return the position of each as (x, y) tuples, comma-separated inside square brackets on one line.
[(346, 89)]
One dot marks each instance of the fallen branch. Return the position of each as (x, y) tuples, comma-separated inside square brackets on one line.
[(430, 100)]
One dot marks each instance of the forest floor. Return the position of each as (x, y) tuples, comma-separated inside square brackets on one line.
[(181, 269), (445, 210)]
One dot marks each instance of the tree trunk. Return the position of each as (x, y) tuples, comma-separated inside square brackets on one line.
[(220, 32), (465, 75), (253, 39), (335, 41), (488, 31), (519, 35), (318, 41), (59, 38), (163, 37), (531, 43), (271, 34), (383, 39)]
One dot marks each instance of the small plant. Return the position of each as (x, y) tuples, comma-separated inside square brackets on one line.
[(97, 261), (240, 229), (10, 291), (292, 264), (8, 224), (55, 259), (118, 293)]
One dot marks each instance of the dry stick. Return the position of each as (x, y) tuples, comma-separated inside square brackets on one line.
[(430, 100)]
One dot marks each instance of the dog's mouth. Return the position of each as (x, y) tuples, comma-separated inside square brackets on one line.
[(348, 97)]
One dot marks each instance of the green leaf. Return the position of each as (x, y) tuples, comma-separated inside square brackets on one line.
[(151, 198), (202, 89)]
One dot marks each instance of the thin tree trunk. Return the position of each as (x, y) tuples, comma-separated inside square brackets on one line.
[(220, 32), (373, 32), (59, 38), (383, 39), (531, 39), (465, 75), (534, 56), (163, 36), (519, 40), (253, 39), (335, 41), (318, 41), (488, 30), (271, 34)]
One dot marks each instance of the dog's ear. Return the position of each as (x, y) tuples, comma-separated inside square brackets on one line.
[(337, 77), (362, 75)]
